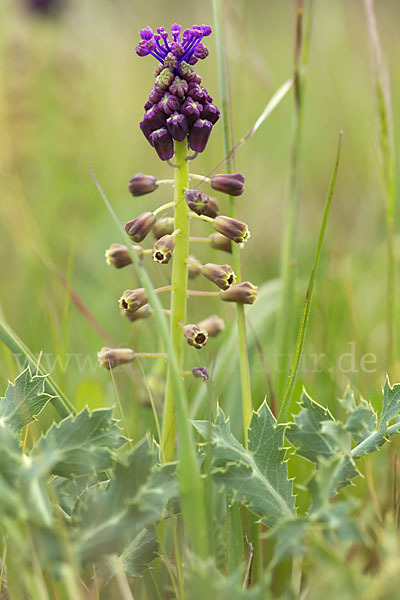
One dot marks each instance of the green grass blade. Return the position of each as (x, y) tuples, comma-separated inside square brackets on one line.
[(307, 305)]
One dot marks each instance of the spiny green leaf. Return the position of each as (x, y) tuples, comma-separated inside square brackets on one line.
[(81, 444), (390, 410), (257, 477), (24, 400), (361, 420), (305, 433), (137, 497)]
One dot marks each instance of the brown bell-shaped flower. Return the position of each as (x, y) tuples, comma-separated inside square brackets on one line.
[(164, 226), (222, 275), (132, 300), (212, 208), (112, 357), (243, 293), (195, 336), (138, 228), (228, 183), (163, 249), (220, 242), (235, 230), (118, 256), (141, 184)]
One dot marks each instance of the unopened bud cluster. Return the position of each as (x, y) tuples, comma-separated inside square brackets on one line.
[(178, 106)]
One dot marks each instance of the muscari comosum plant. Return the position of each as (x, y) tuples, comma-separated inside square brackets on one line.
[(178, 120)]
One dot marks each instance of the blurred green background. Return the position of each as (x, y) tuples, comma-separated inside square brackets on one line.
[(71, 95)]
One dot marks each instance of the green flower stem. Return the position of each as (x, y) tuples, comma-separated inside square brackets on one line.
[(163, 207), (199, 177), (201, 217), (191, 488), (178, 297), (201, 240)]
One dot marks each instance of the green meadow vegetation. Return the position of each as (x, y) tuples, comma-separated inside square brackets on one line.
[(272, 471)]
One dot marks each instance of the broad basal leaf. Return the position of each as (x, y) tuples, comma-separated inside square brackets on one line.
[(24, 400), (81, 444), (258, 476)]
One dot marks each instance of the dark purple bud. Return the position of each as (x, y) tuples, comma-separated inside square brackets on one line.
[(235, 230), (148, 105), (214, 325), (165, 78), (199, 135), (179, 87), (170, 62), (155, 117), (112, 357), (178, 126), (138, 228), (156, 94), (201, 51), (201, 373), (206, 30), (228, 183), (197, 92), (146, 128), (212, 209), (197, 201), (191, 109), (132, 300), (193, 60), (243, 293), (222, 275), (162, 227), (141, 184), (211, 113), (163, 144), (195, 336), (163, 249), (169, 103), (146, 33)]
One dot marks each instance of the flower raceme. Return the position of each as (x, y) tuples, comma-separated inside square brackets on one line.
[(178, 107)]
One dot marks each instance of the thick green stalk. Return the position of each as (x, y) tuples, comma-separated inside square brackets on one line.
[(178, 295), (247, 406), (191, 486)]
